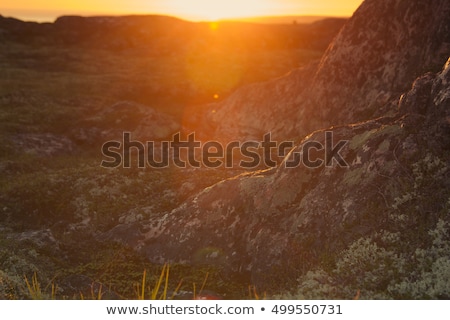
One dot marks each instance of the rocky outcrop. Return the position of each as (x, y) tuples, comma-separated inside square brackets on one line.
[(278, 223), (382, 49), (378, 54), (288, 218)]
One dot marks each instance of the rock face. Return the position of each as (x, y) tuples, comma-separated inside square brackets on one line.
[(384, 47), (283, 221), (285, 217)]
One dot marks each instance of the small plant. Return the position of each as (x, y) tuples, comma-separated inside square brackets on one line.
[(34, 288), (154, 295), (35, 291)]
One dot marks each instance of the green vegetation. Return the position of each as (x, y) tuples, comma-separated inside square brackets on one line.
[(408, 258), (378, 268)]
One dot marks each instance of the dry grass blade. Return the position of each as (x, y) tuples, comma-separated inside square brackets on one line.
[(34, 288)]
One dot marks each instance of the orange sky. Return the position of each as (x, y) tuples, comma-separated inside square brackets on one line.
[(187, 9)]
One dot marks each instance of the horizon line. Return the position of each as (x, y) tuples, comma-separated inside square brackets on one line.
[(50, 16)]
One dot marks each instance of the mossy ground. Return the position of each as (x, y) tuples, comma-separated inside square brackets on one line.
[(56, 90)]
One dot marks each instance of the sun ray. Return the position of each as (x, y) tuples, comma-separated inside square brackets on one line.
[(216, 10)]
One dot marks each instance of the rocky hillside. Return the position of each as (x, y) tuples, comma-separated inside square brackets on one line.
[(288, 219), (366, 210), (68, 87), (380, 224)]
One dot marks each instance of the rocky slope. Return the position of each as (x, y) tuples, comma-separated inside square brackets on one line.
[(288, 218), (375, 57), (272, 226), (68, 87), (378, 221)]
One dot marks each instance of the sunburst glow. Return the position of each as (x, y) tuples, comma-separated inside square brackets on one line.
[(197, 10), (215, 9)]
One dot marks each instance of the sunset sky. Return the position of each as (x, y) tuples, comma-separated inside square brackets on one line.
[(48, 10)]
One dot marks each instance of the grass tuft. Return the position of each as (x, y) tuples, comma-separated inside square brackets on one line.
[(155, 292)]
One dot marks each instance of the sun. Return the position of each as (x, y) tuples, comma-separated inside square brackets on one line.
[(212, 10)]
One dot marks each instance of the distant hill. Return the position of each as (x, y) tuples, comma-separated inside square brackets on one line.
[(124, 32), (285, 19), (51, 16)]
